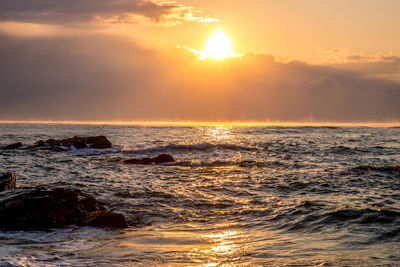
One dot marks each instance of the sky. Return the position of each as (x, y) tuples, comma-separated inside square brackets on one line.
[(140, 60)]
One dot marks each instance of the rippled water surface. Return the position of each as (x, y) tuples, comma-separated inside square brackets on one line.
[(236, 196)]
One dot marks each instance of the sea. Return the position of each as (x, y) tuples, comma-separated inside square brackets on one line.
[(236, 195)]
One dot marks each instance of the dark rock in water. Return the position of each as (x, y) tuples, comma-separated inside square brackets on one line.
[(97, 142), (163, 158), (42, 208), (106, 219), (395, 169), (7, 181), (13, 146)]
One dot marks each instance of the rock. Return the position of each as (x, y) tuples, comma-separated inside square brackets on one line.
[(13, 146), (106, 219), (43, 208), (163, 158), (39, 143), (7, 181), (395, 169), (97, 142)]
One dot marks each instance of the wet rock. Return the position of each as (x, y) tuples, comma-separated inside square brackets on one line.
[(395, 169), (13, 146), (97, 142), (106, 219), (163, 158), (43, 208), (7, 181)]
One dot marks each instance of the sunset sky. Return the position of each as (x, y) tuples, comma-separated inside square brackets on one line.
[(137, 60)]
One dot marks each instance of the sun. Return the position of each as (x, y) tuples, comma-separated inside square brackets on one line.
[(218, 46)]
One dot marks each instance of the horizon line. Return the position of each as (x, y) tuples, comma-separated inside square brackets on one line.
[(207, 123)]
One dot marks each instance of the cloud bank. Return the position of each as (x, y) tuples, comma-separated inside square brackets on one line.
[(105, 77), (63, 12), (385, 66)]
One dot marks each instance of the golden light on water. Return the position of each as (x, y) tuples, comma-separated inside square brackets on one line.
[(219, 133), (209, 248), (224, 245), (221, 236)]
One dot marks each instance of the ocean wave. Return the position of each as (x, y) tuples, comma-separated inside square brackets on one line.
[(192, 147), (201, 147), (385, 169), (363, 216), (66, 149), (220, 163), (93, 151), (313, 217), (346, 150)]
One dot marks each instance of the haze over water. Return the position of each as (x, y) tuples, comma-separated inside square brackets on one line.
[(236, 196)]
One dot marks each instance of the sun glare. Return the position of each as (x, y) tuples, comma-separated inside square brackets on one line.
[(218, 46)]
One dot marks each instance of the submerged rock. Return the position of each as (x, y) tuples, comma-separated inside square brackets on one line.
[(395, 169), (7, 181), (97, 142), (43, 208), (13, 146), (163, 158)]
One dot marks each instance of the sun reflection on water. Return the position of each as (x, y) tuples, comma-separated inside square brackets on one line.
[(220, 133), (224, 243), (223, 249), (215, 248)]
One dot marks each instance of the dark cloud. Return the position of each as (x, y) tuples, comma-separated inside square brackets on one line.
[(76, 11), (377, 58), (99, 77), (73, 76), (387, 67), (356, 58), (391, 58)]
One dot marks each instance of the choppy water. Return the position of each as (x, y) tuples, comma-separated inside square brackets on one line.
[(235, 196)]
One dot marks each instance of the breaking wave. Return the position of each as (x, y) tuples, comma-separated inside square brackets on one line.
[(192, 147)]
